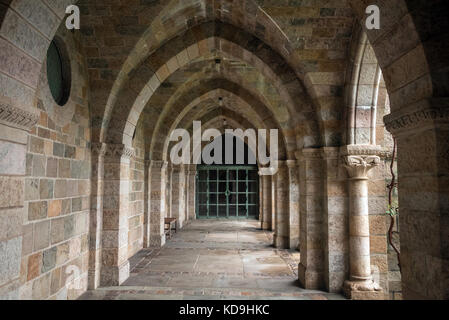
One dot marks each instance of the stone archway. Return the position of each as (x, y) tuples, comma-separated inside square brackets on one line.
[(408, 48)]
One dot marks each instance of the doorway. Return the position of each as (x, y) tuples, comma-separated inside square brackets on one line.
[(227, 192)]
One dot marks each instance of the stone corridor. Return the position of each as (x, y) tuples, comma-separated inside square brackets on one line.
[(214, 259), (353, 120)]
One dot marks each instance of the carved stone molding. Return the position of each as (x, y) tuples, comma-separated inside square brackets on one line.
[(16, 117), (120, 150), (113, 151), (365, 150), (330, 153), (416, 119), (361, 150), (158, 164), (309, 154), (358, 166)]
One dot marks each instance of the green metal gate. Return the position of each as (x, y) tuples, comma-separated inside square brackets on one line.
[(227, 192)]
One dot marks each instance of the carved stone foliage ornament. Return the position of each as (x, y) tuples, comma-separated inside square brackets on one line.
[(359, 166)]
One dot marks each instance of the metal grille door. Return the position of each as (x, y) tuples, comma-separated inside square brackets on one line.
[(227, 192)]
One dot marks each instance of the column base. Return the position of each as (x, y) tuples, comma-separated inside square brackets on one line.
[(363, 290), (157, 241), (93, 279), (265, 225), (293, 243), (114, 275), (312, 280), (281, 242), (94, 272)]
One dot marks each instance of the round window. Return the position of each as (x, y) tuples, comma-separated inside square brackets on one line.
[(58, 73)]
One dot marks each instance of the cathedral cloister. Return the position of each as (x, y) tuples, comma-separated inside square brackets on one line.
[(88, 185)]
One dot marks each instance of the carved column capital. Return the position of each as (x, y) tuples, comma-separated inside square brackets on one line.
[(358, 166), (360, 159)]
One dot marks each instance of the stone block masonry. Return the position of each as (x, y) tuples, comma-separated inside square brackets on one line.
[(54, 248)]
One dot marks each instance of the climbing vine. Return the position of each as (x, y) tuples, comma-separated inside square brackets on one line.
[(393, 207)]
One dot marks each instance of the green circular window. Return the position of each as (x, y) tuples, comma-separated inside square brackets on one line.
[(58, 73)]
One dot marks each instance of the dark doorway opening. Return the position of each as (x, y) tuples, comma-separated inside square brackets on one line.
[(228, 191)]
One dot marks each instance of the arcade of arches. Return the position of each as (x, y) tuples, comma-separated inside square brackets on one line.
[(85, 175)]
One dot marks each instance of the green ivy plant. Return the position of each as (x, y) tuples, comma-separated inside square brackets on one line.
[(393, 210)]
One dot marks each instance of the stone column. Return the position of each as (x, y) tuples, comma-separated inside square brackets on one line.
[(186, 195), (335, 220), (281, 234), (168, 194), (261, 197), (311, 267), (115, 264), (293, 189), (360, 284), (261, 201), (177, 195), (146, 206), (266, 202), (158, 175), (15, 124), (191, 192), (273, 203), (96, 215)]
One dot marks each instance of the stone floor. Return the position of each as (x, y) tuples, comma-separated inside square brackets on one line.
[(212, 259)]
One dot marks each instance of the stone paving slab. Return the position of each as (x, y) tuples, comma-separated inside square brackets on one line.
[(185, 293), (214, 260)]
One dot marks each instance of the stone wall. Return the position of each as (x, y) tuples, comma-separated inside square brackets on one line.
[(55, 256), (13, 144)]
